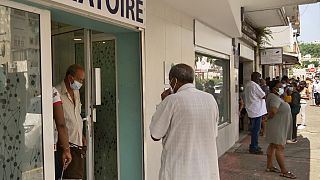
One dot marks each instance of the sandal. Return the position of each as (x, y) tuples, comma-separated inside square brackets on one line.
[(288, 175), (273, 169)]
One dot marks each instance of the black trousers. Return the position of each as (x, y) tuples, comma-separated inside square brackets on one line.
[(317, 98), (294, 126)]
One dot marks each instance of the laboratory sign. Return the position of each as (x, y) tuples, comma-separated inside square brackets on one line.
[(127, 11)]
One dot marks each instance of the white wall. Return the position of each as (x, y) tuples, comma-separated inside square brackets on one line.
[(169, 37)]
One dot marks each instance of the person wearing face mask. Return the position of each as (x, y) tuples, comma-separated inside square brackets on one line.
[(278, 128), (187, 122), (295, 110), (70, 96)]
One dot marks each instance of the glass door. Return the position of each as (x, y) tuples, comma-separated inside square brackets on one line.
[(105, 128), (25, 95)]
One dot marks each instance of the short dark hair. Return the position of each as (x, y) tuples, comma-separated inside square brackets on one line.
[(294, 84), (273, 84), (184, 73), (72, 70), (285, 78), (255, 76)]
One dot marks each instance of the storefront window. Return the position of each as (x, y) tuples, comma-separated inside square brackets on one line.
[(20, 95), (212, 76)]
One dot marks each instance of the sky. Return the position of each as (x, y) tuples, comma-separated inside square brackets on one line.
[(309, 22)]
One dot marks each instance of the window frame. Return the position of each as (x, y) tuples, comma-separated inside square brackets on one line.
[(223, 57)]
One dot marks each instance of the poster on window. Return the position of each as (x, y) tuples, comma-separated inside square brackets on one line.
[(271, 56), (4, 35)]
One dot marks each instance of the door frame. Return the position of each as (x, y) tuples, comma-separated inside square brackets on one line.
[(46, 81)]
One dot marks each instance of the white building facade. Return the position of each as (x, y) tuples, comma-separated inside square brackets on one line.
[(126, 48)]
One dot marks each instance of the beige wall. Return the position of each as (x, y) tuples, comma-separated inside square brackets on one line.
[(169, 37)]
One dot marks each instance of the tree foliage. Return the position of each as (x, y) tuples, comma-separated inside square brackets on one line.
[(309, 48), (264, 35), (305, 64)]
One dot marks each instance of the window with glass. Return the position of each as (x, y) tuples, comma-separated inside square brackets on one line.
[(20, 95), (212, 76)]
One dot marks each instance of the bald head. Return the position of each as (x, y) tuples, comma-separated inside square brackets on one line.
[(72, 69), (182, 72)]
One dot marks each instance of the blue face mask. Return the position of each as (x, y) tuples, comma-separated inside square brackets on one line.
[(75, 85)]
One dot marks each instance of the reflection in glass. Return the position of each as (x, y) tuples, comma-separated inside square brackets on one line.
[(20, 95), (212, 76)]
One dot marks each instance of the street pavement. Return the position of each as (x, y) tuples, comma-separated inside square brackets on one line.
[(302, 158)]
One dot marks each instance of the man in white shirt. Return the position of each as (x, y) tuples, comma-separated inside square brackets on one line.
[(256, 107), (316, 90), (63, 156), (187, 122), (70, 96)]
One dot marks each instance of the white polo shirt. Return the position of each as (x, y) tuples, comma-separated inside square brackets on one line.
[(254, 101)]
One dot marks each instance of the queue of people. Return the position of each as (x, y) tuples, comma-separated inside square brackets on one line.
[(189, 148), (273, 107)]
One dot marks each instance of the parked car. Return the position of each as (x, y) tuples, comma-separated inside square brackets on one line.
[(32, 125), (218, 87)]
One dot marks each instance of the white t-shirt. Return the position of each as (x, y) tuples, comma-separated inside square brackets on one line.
[(187, 123), (316, 87), (253, 100)]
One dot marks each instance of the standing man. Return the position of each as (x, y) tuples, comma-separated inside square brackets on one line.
[(316, 90), (187, 122), (256, 107), (63, 156), (70, 96)]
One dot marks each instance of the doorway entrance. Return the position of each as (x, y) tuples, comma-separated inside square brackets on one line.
[(128, 99), (89, 48)]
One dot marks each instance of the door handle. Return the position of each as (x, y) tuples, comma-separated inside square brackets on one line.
[(97, 86)]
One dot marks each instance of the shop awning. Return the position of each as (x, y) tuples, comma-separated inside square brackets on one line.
[(290, 59)]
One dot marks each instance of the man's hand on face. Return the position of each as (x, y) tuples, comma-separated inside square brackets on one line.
[(165, 93)]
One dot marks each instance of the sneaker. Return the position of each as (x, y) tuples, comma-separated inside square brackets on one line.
[(258, 151), (301, 127)]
